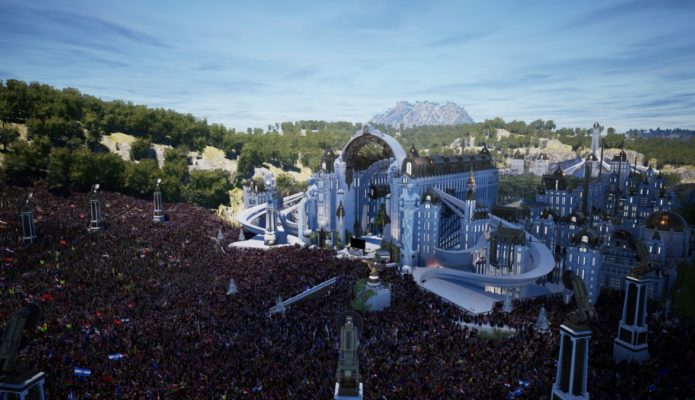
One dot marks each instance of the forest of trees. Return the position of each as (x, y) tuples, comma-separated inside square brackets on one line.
[(65, 127)]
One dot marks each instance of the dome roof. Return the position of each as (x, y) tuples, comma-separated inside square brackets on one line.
[(666, 221)]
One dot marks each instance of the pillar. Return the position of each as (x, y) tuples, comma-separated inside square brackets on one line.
[(573, 363), (158, 212), (269, 236), (96, 219), (631, 343), (28, 226)]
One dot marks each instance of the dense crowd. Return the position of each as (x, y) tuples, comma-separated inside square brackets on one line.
[(144, 307)]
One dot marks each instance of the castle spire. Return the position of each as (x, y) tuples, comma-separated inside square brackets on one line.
[(470, 194), (595, 138)]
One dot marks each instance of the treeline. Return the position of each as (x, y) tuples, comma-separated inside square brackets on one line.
[(67, 169), (68, 118), (666, 151)]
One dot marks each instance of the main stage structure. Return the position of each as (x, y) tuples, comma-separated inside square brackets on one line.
[(435, 210)]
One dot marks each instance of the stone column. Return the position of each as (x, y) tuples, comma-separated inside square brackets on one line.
[(631, 343), (573, 363), (28, 226)]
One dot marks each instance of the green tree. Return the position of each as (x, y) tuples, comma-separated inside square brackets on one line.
[(139, 178), (60, 162), (249, 159), (8, 134), (175, 175), (25, 163), (210, 188), (141, 148)]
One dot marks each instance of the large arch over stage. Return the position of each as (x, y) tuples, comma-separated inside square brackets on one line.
[(367, 148)]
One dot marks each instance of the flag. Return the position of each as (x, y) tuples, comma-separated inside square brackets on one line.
[(83, 372)]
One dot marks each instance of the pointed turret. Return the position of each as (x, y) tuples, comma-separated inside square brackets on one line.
[(340, 212), (542, 321), (470, 193)]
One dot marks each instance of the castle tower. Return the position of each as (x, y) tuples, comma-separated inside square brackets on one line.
[(594, 139)]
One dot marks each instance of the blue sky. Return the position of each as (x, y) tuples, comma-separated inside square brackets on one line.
[(628, 63)]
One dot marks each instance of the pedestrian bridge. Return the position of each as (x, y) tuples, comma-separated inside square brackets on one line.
[(252, 219), (317, 290)]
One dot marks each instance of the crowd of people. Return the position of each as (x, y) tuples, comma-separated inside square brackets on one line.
[(144, 307)]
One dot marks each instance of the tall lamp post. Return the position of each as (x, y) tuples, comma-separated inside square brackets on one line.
[(27, 216), (158, 209), (96, 218)]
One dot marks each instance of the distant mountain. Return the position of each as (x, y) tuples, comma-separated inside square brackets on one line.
[(423, 113)]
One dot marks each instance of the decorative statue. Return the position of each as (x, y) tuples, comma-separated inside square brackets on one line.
[(373, 273), (409, 202), (585, 312)]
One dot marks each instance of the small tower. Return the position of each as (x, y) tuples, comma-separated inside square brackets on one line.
[(27, 217), (96, 218)]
